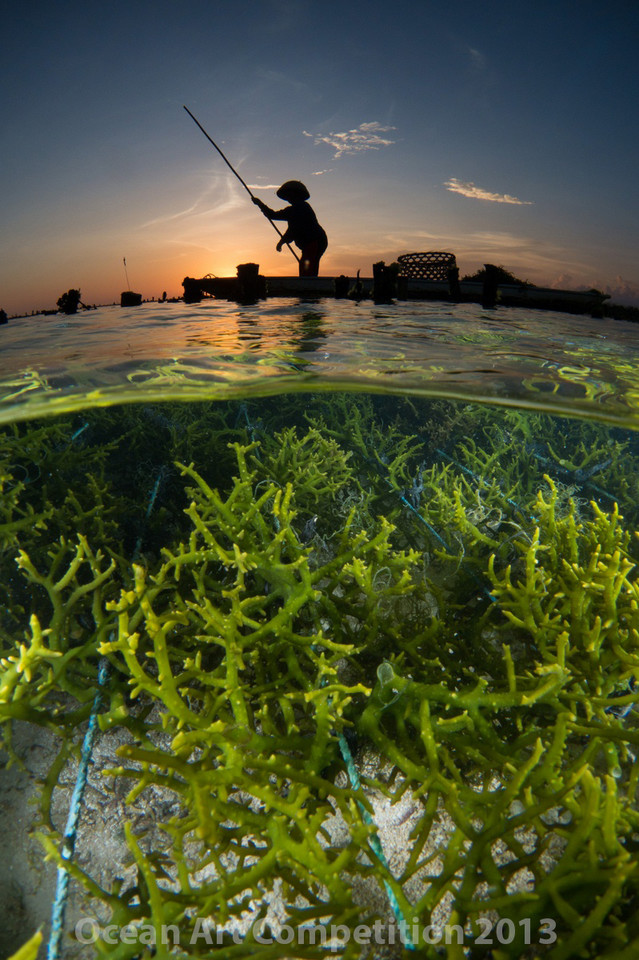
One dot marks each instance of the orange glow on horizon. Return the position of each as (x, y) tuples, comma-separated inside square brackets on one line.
[(160, 265)]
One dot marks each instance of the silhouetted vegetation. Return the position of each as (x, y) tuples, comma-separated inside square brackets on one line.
[(618, 311), (501, 276), (68, 302)]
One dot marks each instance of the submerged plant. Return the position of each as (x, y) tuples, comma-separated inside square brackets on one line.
[(466, 630), (533, 773)]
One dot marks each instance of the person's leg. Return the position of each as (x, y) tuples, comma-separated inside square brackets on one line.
[(309, 260)]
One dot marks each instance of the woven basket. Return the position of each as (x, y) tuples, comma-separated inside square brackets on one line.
[(426, 266)]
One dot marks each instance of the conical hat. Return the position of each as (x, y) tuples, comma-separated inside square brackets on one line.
[(293, 190)]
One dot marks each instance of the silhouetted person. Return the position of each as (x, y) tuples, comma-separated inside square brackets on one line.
[(3, 317), (303, 229)]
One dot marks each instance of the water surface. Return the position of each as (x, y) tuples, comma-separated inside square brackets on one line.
[(537, 359)]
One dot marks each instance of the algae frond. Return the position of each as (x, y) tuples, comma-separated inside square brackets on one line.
[(450, 590)]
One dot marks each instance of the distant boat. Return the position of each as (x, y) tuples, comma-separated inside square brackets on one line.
[(128, 298)]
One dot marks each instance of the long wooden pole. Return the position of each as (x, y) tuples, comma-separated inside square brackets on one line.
[(233, 170)]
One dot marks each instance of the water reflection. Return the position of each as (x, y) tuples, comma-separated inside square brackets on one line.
[(538, 359)]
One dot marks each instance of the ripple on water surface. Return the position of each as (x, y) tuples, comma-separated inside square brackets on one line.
[(536, 359)]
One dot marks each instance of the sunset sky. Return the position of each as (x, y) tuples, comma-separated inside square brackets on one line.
[(503, 132)]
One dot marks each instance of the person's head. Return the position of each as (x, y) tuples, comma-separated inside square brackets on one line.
[(293, 191)]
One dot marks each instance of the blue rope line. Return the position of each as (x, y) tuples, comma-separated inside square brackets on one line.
[(477, 476), (149, 510), (68, 840), (440, 539), (374, 841), (428, 526), (376, 845)]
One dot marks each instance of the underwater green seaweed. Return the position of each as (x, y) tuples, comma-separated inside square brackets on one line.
[(30, 950), (576, 599), (537, 739), (210, 637), (462, 614), (315, 466)]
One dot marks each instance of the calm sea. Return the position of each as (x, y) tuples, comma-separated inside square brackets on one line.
[(534, 359)]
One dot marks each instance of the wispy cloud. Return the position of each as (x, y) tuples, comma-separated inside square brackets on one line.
[(628, 286), (478, 193), (277, 77), (477, 60), (621, 291), (365, 137), (264, 186), (218, 198)]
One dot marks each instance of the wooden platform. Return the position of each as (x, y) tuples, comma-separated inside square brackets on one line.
[(311, 288)]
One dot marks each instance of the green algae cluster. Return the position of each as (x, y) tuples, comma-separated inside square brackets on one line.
[(445, 593)]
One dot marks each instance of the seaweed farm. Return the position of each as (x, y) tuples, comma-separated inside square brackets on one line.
[(341, 623)]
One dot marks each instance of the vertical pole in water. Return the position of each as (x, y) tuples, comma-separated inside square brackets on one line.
[(489, 292), (250, 286), (128, 285), (341, 287), (454, 291), (385, 282)]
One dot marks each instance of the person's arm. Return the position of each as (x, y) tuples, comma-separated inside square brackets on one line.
[(287, 237), (271, 214)]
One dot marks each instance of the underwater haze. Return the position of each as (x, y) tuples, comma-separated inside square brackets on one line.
[(350, 594)]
